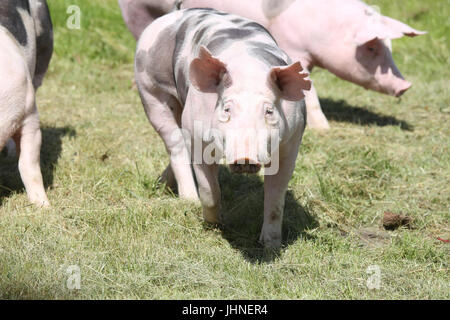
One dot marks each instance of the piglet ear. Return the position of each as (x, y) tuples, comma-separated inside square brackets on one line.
[(206, 71), (402, 28), (384, 28), (290, 81)]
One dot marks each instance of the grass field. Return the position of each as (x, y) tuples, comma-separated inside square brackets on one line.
[(130, 239)]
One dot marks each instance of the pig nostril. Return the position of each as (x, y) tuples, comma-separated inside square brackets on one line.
[(245, 166), (400, 92), (246, 161)]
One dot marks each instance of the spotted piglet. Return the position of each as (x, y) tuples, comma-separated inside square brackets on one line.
[(214, 86), (26, 48)]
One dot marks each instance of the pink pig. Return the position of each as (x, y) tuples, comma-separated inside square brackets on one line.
[(346, 37), (215, 85)]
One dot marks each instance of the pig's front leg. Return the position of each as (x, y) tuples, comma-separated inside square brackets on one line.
[(29, 140), (275, 187), (315, 117), (209, 191)]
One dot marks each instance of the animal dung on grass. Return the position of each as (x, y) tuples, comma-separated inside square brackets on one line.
[(392, 221)]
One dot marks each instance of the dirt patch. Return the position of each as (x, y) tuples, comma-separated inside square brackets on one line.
[(372, 236)]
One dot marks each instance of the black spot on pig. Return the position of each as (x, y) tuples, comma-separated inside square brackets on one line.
[(270, 55), (218, 44), (182, 85), (236, 20), (11, 19), (259, 28), (199, 35), (44, 41), (234, 33), (140, 60)]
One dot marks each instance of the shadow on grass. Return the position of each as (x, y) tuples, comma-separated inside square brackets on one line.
[(341, 111), (242, 216), (10, 180)]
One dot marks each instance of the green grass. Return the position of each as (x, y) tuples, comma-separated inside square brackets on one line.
[(101, 160)]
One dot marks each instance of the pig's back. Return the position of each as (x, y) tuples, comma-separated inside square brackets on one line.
[(10, 18), (218, 31), (154, 53), (15, 17)]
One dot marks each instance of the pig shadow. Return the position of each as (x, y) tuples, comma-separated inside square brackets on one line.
[(341, 111), (242, 216), (10, 180)]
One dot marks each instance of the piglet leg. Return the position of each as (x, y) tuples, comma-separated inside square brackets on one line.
[(315, 117), (30, 139), (209, 191), (275, 187)]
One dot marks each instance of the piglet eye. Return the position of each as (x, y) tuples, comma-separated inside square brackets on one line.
[(268, 109), (225, 115), (270, 116)]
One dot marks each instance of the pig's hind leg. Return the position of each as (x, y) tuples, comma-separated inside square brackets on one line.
[(162, 111), (27, 136), (29, 139), (315, 117)]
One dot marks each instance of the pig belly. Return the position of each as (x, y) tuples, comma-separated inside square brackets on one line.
[(14, 81)]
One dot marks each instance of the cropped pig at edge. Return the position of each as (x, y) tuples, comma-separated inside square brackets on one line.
[(346, 37), (223, 81), (27, 44)]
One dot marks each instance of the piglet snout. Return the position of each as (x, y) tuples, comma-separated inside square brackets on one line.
[(401, 90), (245, 166)]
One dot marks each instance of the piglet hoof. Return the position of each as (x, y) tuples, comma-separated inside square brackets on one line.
[(316, 120), (271, 241), (211, 216), (190, 195), (319, 126), (44, 204)]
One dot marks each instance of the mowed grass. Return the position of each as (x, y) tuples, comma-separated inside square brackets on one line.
[(132, 240)]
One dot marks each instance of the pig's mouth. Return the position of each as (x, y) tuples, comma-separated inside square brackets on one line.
[(245, 166)]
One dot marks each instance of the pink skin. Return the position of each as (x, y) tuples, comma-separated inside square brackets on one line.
[(245, 92), (381, 68), (232, 91), (346, 37), (139, 13), (333, 34), (19, 117)]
